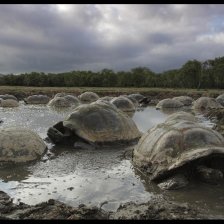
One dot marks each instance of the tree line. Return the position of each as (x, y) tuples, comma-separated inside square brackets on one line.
[(193, 74)]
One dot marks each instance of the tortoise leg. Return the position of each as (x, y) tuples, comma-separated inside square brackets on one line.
[(174, 182), (59, 134), (209, 175), (55, 135)]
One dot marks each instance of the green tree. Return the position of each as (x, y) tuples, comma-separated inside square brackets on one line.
[(190, 74)]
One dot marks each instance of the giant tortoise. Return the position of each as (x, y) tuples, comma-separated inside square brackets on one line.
[(136, 96), (8, 96), (96, 123), (169, 103), (65, 101), (185, 100), (220, 99), (59, 102), (88, 97), (37, 99), (123, 103), (9, 103), (179, 150), (60, 94), (73, 99), (19, 144), (133, 100), (139, 100), (205, 103), (106, 98)]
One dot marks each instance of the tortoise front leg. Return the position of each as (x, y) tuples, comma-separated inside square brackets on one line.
[(175, 182), (209, 175)]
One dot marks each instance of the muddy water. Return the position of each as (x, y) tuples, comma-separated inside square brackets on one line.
[(103, 177)]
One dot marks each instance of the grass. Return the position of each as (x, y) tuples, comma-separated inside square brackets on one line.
[(24, 91)]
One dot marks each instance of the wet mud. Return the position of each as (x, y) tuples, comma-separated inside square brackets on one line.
[(95, 183)]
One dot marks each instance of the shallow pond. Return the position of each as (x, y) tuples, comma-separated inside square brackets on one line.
[(103, 177)]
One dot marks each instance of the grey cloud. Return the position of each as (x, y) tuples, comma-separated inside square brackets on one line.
[(161, 38), (120, 37)]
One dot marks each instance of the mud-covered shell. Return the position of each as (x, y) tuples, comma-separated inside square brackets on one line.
[(108, 103), (136, 96), (8, 96), (101, 122), (72, 99), (59, 102), (37, 99), (169, 103), (19, 144), (220, 99), (88, 97), (185, 100), (9, 103), (181, 116), (133, 100), (60, 94), (106, 98), (171, 145), (123, 103), (204, 103)]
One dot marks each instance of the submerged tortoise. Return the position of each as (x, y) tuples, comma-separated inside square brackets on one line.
[(106, 98), (37, 99), (169, 103), (140, 99), (88, 97), (205, 103), (19, 144), (185, 100), (96, 123), (8, 96), (136, 96), (180, 116), (133, 100), (123, 103), (60, 94), (9, 103), (179, 150), (220, 99), (65, 101), (72, 99), (59, 102)]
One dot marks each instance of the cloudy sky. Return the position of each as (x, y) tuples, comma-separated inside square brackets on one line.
[(57, 37)]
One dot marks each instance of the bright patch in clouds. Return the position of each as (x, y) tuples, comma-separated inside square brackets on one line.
[(217, 38), (63, 7)]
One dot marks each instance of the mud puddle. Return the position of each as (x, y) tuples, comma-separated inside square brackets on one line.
[(104, 177)]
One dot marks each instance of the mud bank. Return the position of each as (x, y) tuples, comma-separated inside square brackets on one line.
[(154, 93), (157, 208)]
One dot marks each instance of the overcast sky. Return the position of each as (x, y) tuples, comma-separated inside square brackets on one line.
[(56, 38)]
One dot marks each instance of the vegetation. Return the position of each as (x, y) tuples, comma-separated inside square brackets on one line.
[(193, 74), (155, 93)]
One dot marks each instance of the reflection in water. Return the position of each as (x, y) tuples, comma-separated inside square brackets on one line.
[(148, 185), (77, 176), (14, 173), (148, 117), (90, 176), (169, 111), (36, 117)]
